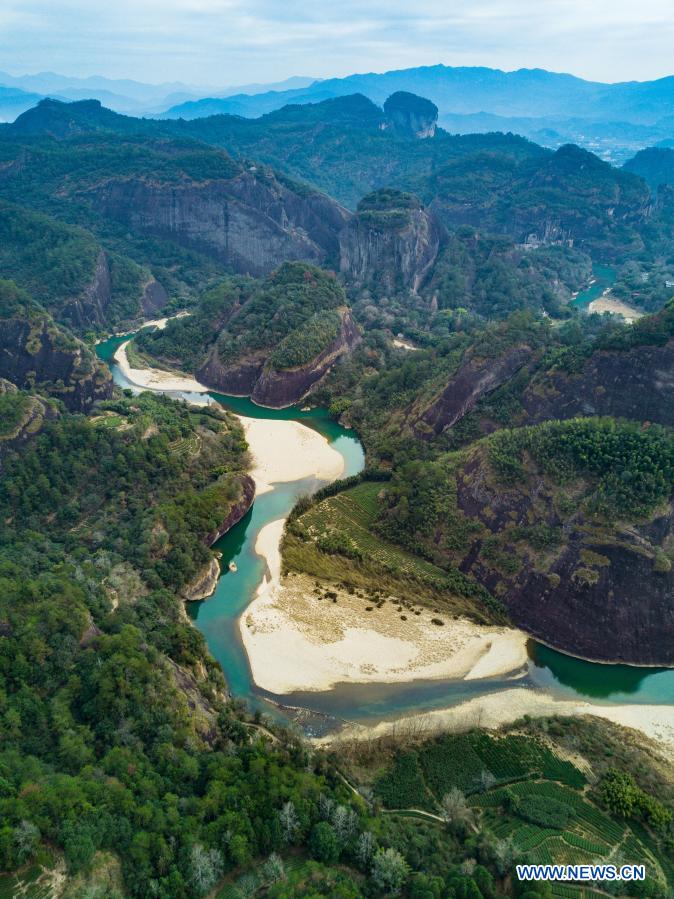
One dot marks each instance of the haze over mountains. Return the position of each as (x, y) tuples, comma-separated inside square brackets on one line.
[(613, 120)]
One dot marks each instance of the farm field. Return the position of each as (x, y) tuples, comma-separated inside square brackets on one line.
[(336, 539), (520, 791)]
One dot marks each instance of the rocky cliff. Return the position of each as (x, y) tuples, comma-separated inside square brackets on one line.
[(475, 379), (390, 244), (637, 384), (277, 388), (36, 354), (89, 309), (411, 115), (285, 387), (24, 415), (603, 593), (252, 222)]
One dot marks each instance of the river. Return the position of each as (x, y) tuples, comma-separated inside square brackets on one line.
[(550, 673)]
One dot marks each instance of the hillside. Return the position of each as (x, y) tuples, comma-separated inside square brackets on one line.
[(272, 340), (548, 521), (39, 355)]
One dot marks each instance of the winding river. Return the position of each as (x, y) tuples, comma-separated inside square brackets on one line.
[(548, 673)]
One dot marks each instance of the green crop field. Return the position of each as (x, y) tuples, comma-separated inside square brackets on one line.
[(510, 780)]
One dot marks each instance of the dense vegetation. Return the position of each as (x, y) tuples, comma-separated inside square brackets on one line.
[(119, 745), (632, 467)]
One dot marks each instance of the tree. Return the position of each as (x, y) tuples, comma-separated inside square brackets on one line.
[(289, 821), (365, 849), (504, 855), (455, 811), (345, 822), (26, 839), (324, 844), (206, 868), (389, 871), (273, 869), (619, 793)]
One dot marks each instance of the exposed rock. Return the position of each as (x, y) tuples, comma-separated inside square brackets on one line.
[(235, 379), (411, 115), (154, 298), (391, 243), (280, 388), (475, 379), (38, 411), (91, 306), (252, 222), (204, 583), (605, 594), (203, 714), (36, 354), (637, 384), (237, 511)]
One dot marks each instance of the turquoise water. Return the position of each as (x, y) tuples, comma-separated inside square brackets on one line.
[(217, 617), (604, 276)]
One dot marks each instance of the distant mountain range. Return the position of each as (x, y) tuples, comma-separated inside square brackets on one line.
[(19, 93), (612, 120), (615, 121)]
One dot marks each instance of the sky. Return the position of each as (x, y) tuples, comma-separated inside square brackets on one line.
[(229, 42)]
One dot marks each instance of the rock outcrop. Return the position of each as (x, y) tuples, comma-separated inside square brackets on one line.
[(251, 222), (36, 354), (237, 511), (605, 594), (90, 308), (285, 387), (391, 243), (637, 383), (37, 410), (411, 115), (475, 379), (204, 583), (277, 388)]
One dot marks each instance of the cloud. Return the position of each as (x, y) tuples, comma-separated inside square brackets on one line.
[(234, 41)]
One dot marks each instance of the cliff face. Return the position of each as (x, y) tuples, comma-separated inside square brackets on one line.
[(636, 384), (36, 354), (237, 512), (91, 306), (475, 379), (390, 246), (250, 222), (411, 115), (280, 388), (603, 594), (36, 412), (276, 388)]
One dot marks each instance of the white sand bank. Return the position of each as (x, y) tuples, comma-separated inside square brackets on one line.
[(608, 303), (288, 451), (296, 641), (494, 709), (155, 378)]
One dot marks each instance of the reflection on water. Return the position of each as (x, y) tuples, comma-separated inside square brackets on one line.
[(573, 677)]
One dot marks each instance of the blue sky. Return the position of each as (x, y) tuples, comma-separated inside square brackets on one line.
[(223, 42)]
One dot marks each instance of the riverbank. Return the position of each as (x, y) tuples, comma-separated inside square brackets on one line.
[(608, 303), (155, 378), (288, 451), (297, 638), (493, 710), (282, 450)]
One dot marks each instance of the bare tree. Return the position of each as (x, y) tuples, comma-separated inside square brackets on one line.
[(455, 811), (289, 821)]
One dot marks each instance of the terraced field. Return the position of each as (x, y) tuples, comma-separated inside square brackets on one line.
[(352, 514), (506, 779)]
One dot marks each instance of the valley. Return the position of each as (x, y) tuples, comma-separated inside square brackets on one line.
[(336, 530)]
